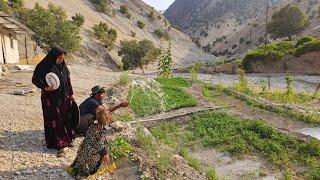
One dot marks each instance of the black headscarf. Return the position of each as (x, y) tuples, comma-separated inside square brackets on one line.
[(47, 65)]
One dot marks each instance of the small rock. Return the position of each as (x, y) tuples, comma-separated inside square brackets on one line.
[(17, 173), (118, 125)]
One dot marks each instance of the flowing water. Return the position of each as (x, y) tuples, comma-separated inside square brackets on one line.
[(313, 132)]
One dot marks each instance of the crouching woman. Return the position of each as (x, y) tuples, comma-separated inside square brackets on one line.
[(94, 150)]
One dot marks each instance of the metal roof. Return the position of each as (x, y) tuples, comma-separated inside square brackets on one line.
[(11, 24)]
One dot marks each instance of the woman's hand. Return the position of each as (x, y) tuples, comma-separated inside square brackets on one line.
[(105, 160), (49, 88), (72, 98)]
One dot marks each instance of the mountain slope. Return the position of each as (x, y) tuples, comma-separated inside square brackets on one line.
[(227, 27), (184, 50)]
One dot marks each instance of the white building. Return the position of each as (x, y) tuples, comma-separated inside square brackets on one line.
[(10, 29)]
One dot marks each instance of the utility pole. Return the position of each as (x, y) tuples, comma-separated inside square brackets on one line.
[(266, 33)]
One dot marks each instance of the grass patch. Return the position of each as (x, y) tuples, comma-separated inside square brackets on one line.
[(244, 137), (122, 117), (162, 159), (174, 82), (147, 102)]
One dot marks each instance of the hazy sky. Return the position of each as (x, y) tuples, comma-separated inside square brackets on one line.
[(159, 4)]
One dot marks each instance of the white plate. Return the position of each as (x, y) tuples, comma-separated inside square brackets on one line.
[(53, 80)]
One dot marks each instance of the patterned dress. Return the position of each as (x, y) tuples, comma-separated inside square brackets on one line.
[(91, 151), (56, 105)]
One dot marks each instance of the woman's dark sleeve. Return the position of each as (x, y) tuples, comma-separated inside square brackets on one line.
[(38, 82), (70, 86)]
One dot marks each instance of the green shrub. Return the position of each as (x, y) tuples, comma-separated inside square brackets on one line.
[(151, 16), (52, 27), (133, 34), (162, 34), (264, 53), (123, 9), (106, 35), (4, 6), (140, 24), (137, 54), (303, 40), (78, 19), (308, 47), (102, 5)]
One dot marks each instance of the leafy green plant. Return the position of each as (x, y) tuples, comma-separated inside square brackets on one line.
[(120, 148), (165, 62), (243, 85), (195, 68)]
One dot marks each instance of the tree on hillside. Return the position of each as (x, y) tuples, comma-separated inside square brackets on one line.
[(138, 54), (4, 6), (102, 5), (78, 19), (287, 22), (52, 27), (105, 34)]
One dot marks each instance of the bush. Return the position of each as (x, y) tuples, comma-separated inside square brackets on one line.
[(138, 54), (162, 34), (308, 47), (304, 40), (78, 19), (133, 34), (105, 35), (123, 9), (140, 24), (102, 5), (52, 27), (270, 52), (4, 6), (151, 16)]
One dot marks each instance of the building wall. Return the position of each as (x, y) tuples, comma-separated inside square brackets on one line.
[(10, 46), (1, 52)]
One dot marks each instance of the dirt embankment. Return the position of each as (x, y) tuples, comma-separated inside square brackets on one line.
[(308, 63)]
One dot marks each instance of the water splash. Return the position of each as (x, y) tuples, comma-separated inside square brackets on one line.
[(152, 89)]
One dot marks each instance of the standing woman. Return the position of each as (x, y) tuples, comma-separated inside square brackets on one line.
[(59, 132)]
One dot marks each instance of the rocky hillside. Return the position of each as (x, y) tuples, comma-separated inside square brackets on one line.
[(228, 27), (184, 50)]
